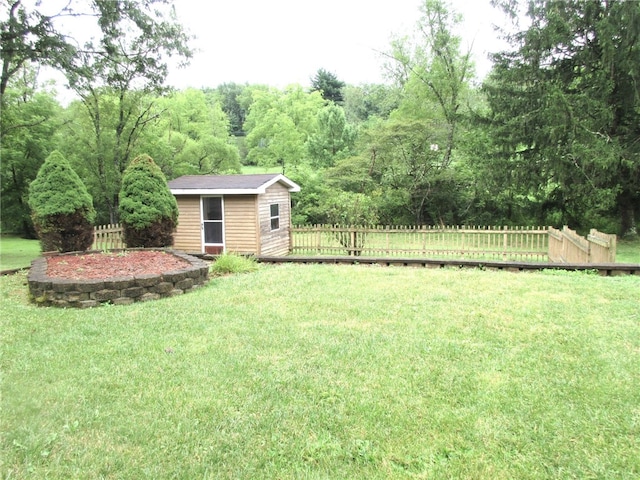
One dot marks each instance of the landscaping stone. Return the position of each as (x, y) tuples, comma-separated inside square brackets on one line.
[(61, 292)]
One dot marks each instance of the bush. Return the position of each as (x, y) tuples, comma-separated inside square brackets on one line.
[(61, 208), (148, 210), (233, 263)]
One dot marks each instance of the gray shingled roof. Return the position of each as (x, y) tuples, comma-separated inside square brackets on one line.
[(233, 183)]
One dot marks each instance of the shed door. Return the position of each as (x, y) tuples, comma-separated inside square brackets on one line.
[(212, 225)]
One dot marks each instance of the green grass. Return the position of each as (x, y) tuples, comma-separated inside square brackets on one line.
[(233, 263), (16, 252), (628, 251), (330, 372)]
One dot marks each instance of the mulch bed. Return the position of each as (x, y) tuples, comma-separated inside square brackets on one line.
[(109, 265)]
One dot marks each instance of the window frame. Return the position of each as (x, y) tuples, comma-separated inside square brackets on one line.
[(273, 217)]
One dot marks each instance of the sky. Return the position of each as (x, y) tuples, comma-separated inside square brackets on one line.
[(281, 42), (284, 42)]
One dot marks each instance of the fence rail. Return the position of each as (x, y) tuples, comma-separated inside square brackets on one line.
[(504, 243), (108, 236), (538, 244)]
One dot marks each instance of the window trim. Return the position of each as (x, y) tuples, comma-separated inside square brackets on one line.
[(273, 217)]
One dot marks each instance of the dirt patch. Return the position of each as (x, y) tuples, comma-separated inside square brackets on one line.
[(111, 265)]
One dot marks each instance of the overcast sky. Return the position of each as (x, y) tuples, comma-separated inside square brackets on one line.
[(280, 42)]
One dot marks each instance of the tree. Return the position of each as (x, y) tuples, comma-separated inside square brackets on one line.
[(350, 209), (62, 209), (127, 58), (190, 136), (128, 63), (406, 162), (230, 95), (148, 210), (366, 101), (334, 139), (279, 124), (434, 72), (30, 37), (28, 124), (328, 84), (566, 107)]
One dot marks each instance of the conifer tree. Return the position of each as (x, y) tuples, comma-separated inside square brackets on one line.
[(148, 211), (62, 209)]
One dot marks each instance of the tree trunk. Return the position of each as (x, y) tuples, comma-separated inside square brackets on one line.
[(627, 208)]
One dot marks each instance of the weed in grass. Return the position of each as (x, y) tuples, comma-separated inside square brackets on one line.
[(232, 263)]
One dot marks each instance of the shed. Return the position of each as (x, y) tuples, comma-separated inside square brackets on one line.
[(246, 214)]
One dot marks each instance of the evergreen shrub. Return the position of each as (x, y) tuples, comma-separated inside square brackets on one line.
[(61, 207), (148, 211)]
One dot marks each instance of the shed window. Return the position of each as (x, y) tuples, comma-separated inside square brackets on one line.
[(275, 216)]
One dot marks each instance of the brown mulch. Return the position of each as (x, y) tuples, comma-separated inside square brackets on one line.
[(109, 265)]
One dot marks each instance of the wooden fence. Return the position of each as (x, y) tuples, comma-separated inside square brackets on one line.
[(566, 246), (106, 237), (503, 243), (492, 243)]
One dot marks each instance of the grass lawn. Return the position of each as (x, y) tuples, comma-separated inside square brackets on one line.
[(628, 251), (16, 252), (330, 372)]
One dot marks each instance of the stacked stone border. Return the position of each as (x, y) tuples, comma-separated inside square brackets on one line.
[(59, 292)]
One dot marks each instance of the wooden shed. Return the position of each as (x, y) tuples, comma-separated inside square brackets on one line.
[(246, 214)]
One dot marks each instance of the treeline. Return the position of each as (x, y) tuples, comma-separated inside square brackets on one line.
[(551, 136)]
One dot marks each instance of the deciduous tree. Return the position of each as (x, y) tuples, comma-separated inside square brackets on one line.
[(28, 124)]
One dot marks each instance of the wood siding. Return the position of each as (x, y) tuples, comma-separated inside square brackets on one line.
[(241, 224), (188, 236), (274, 242)]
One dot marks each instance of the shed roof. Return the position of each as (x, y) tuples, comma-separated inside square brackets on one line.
[(228, 184)]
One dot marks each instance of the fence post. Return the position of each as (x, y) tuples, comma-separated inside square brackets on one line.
[(505, 239)]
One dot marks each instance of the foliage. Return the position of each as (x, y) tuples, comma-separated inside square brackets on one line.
[(353, 209), (564, 109), (279, 124), (230, 95), (329, 86), (28, 126), (230, 263), (100, 136), (434, 72), (325, 371), (412, 171), (62, 209), (363, 102), (30, 37), (128, 63), (148, 210), (190, 136), (334, 138)]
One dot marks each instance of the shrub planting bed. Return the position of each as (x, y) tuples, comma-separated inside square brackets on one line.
[(120, 277)]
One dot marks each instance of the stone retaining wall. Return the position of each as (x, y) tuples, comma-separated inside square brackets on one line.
[(61, 292)]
